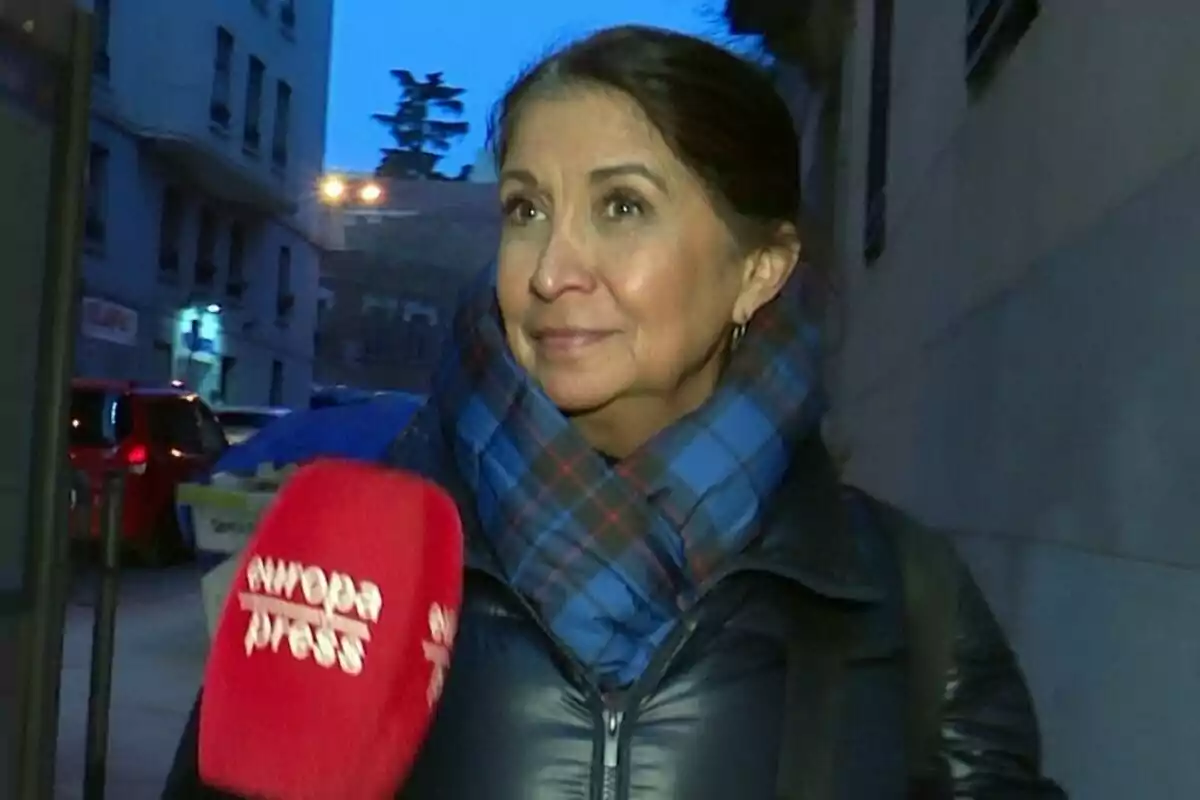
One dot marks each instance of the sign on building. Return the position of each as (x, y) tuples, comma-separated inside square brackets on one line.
[(108, 321)]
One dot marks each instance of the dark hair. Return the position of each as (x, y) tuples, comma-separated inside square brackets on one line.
[(719, 113)]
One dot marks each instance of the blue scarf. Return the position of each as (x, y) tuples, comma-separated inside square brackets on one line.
[(611, 555)]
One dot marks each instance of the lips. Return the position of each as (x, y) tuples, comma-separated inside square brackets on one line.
[(568, 341)]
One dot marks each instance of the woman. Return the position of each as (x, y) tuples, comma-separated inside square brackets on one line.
[(668, 593)]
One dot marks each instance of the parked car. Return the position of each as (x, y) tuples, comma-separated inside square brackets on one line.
[(242, 422), (159, 437)]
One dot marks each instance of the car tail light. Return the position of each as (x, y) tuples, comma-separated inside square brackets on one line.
[(136, 457)]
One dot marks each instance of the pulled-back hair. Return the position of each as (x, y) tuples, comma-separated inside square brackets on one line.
[(719, 114)]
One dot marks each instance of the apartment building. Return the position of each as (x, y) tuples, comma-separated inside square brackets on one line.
[(202, 251), (1015, 223), (390, 279)]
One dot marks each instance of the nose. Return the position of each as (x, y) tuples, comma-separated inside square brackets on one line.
[(563, 267)]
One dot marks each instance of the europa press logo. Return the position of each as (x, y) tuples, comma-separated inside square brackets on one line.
[(443, 627), (319, 615)]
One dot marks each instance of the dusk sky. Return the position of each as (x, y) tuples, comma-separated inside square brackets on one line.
[(480, 45)]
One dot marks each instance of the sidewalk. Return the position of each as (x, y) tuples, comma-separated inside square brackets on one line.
[(160, 652)]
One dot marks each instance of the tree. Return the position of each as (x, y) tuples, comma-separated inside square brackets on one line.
[(421, 138)]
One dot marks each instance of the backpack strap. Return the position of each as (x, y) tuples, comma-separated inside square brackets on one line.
[(813, 689), (931, 573), (813, 693)]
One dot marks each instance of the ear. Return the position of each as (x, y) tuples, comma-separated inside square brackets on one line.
[(766, 272)]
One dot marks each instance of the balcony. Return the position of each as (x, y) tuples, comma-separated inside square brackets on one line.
[(215, 152)]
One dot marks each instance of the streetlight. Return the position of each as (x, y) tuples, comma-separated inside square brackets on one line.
[(333, 189), (370, 193)]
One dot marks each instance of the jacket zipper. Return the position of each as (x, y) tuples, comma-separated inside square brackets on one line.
[(612, 715), (612, 751)]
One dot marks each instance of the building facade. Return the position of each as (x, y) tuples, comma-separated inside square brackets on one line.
[(1016, 228), (392, 275), (201, 240)]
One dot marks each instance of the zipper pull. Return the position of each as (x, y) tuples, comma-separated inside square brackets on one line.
[(612, 736)]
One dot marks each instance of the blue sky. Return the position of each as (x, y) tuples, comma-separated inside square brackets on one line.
[(490, 43)]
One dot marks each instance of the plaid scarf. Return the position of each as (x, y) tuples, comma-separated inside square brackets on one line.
[(611, 555)]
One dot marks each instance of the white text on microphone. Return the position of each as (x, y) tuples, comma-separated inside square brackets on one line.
[(323, 616)]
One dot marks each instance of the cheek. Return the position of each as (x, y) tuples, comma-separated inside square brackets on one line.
[(512, 289), (671, 318)]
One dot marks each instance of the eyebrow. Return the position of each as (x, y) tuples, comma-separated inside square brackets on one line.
[(522, 176), (598, 175), (602, 174)]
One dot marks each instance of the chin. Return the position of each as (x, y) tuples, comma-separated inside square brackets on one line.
[(575, 396)]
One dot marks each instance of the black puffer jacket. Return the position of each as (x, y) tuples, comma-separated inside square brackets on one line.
[(518, 720)]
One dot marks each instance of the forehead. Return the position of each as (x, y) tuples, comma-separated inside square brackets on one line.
[(585, 128)]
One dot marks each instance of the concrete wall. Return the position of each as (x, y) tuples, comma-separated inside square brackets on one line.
[(1021, 362)]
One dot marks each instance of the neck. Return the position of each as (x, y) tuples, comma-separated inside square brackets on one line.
[(624, 424)]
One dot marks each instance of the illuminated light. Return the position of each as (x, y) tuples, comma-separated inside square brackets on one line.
[(138, 455), (213, 308), (333, 188), (74, 423), (370, 193), (178, 384), (176, 453)]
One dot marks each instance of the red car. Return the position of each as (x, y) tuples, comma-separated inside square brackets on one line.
[(160, 437)]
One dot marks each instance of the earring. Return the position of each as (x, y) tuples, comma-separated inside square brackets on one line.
[(739, 331)]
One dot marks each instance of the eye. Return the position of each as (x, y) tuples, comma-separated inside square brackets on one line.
[(622, 205), (519, 210)]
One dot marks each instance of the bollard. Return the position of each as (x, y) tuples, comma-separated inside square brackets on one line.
[(104, 629), (79, 524)]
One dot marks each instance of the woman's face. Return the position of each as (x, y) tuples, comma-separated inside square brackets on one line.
[(618, 281)]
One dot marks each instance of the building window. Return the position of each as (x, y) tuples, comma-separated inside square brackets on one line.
[(235, 284), (283, 115), (285, 300), (222, 79), (993, 29), (251, 137), (206, 248), (170, 231), (102, 12), (95, 220), (275, 397), (287, 17), (875, 224)]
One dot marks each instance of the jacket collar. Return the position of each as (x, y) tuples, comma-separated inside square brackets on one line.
[(811, 533)]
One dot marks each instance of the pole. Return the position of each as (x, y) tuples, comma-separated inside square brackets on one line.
[(48, 496), (104, 636)]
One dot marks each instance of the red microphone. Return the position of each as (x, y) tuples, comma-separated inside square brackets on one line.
[(335, 637)]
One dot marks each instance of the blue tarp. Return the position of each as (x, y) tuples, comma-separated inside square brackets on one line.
[(360, 431)]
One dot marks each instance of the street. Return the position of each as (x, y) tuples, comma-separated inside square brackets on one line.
[(160, 652)]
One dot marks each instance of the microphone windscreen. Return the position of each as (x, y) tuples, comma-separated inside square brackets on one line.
[(331, 650)]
